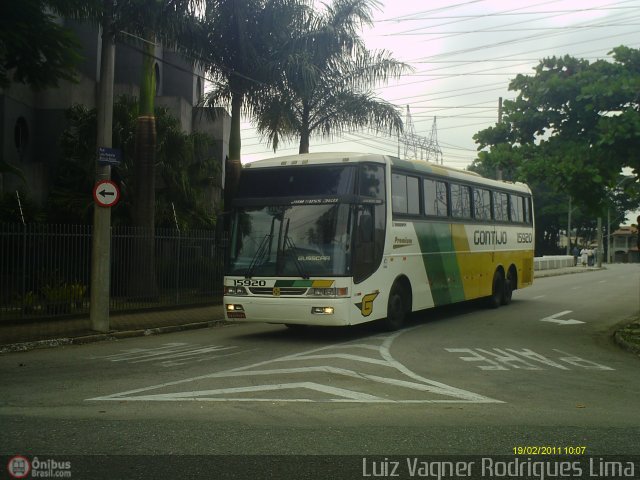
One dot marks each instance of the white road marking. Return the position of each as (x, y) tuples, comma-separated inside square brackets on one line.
[(499, 359), (554, 319), (414, 382), (581, 362), (538, 297), (170, 354)]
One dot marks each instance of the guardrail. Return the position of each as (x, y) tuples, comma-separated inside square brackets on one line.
[(553, 261)]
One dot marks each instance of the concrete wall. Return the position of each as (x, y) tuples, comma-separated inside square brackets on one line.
[(553, 261)]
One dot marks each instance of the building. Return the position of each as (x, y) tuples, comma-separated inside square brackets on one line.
[(624, 244), (32, 122)]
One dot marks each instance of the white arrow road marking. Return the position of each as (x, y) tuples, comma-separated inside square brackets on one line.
[(264, 369), (554, 319)]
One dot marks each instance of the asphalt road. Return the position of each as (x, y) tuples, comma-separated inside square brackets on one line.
[(542, 371)]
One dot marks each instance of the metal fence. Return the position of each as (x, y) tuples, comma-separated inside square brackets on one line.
[(45, 269)]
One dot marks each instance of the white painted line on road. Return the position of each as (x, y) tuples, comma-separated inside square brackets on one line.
[(603, 281), (581, 362), (499, 359), (539, 297), (554, 319), (184, 353), (338, 392), (171, 354), (256, 370)]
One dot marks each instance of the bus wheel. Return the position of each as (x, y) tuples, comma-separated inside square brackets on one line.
[(507, 292), (497, 292), (396, 309)]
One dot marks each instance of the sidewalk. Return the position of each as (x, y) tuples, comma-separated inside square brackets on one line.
[(17, 337)]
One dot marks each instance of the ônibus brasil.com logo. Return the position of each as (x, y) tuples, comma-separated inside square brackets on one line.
[(19, 467)]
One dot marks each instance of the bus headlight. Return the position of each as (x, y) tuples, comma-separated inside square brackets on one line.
[(235, 291), (322, 310), (328, 292), (235, 311)]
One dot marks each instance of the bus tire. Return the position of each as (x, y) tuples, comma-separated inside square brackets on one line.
[(509, 284), (497, 290), (396, 309)]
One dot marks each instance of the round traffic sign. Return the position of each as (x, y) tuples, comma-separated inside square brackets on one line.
[(106, 193)]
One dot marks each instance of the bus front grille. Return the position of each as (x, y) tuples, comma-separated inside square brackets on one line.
[(282, 291)]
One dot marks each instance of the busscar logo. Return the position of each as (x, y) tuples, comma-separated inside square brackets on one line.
[(18, 467), (366, 305)]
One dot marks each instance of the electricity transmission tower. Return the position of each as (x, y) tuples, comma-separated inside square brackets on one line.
[(417, 147)]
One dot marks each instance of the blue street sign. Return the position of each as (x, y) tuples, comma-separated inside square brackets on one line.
[(109, 156)]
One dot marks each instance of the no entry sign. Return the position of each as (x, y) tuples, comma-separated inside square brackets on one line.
[(106, 193)]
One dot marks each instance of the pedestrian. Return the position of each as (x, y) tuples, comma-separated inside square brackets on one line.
[(576, 254), (584, 256), (590, 257)]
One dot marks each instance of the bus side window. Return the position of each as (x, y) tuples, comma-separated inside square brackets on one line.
[(460, 201), (528, 218), (516, 203), (481, 204), (500, 207), (364, 251), (399, 193)]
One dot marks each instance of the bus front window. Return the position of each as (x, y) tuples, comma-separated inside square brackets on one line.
[(292, 240)]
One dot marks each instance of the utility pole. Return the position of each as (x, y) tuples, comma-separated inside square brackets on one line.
[(101, 238), (499, 170), (569, 228), (600, 244)]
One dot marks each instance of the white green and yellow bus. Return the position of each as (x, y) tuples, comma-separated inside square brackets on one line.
[(347, 238)]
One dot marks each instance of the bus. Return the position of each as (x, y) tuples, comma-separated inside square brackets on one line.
[(346, 238)]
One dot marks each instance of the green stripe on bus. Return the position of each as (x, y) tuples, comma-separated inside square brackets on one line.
[(440, 262), (304, 283)]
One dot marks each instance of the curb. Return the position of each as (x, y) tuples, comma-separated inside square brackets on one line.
[(621, 341), (558, 272), (115, 335)]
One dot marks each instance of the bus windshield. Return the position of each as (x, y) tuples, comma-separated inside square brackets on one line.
[(291, 240)]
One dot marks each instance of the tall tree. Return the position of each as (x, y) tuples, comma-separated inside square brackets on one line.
[(185, 169), (245, 44), (326, 84), (168, 22), (35, 48), (575, 124)]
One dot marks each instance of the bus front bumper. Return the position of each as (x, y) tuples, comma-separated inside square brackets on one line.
[(297, 311)]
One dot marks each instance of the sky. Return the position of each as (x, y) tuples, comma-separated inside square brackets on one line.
[(464, 54)]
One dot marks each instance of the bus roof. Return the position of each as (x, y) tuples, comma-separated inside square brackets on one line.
[(418, 166)]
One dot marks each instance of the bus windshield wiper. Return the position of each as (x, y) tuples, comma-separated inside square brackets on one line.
[(288, 243), (259, 255)]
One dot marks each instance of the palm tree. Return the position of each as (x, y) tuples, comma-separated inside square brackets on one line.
[(326, 87), (244, 44), (169, 22)]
